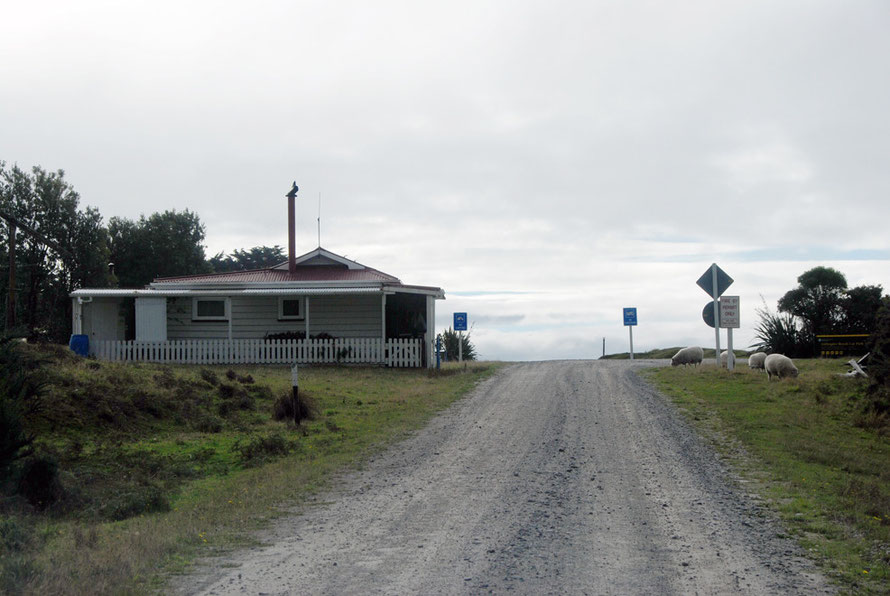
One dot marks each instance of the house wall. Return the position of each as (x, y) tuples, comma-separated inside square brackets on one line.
[(257, 316), (103, 319)]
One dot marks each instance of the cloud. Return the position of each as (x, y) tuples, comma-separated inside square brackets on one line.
[(545, 165)]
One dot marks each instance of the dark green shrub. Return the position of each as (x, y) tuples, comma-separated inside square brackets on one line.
[(20, 390), (452, 339), (284, 407), (246, 402), (39, 482), (228, 391), (879, 362), (258, 450), (225, 408), (125, 504), (206, 422), (781, 334), (165, 378), (209, 376)]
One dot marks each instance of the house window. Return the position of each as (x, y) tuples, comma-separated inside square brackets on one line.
[(210, 309), (290, 309)]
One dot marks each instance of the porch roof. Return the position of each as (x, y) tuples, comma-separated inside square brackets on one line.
[(255, 291)]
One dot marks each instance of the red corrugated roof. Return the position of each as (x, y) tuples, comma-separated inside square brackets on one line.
[(309, 273)]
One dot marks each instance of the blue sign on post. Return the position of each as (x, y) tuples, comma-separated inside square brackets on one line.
[(460, 321), (630, 316)]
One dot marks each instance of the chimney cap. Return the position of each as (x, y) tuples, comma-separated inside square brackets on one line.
[(293, 191)]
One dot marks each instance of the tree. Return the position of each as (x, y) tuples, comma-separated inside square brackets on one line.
[(451, 339), (163, 245), (258, 257), (860, 306), (59, 248), (879, 361), (817, 300)]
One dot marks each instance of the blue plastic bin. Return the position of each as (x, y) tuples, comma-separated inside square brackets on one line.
[(80, 344)]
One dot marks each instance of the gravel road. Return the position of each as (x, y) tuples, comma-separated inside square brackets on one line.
[(563, 477)]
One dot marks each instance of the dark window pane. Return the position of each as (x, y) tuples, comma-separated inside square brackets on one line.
[(212, 308), (290, 308)]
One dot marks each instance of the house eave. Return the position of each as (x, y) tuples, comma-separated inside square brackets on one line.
[(183, 292), (257, 290)]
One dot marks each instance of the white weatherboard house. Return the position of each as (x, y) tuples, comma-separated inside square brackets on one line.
[(319, 307)]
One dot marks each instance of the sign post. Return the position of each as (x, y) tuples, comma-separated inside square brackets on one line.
[(295, 392), (714, 281), (630, 320), (729, 320), (460, 325)]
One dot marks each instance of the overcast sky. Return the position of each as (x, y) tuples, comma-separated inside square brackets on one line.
[(546, 163)]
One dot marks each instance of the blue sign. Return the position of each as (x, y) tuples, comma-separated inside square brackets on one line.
[(460, 321), (630, 316), (706, 281)]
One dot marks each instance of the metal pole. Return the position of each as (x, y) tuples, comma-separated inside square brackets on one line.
[(714, 293), (630, 330), (730, 356), (460, 346)]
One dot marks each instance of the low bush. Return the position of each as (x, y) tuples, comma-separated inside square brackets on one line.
[(140, 499), (39, 482), (259, 450), (209, 376), (286, 408), (206, 422)]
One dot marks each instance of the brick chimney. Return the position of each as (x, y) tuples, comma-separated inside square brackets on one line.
[(291, 230)]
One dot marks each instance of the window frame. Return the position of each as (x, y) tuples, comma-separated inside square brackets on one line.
[(205, 318), (301, 300)]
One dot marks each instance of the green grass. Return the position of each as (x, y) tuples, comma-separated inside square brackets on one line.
[(163, 464), (810, 448)]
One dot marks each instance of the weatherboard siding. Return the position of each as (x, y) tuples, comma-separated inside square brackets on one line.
[(255, 317)]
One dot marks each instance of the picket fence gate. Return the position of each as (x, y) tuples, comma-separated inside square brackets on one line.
[(401, 353)]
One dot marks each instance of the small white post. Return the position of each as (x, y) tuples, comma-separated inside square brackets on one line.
[(730, 356)]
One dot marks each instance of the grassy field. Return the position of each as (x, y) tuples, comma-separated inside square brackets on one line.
[(809, 448), (159, 465)]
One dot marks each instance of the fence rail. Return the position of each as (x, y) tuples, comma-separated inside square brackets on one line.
[(402, 353)]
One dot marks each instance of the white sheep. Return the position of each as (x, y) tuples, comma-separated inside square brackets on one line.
[(692, 355), (780, 366), (724, 356), (756, 359)]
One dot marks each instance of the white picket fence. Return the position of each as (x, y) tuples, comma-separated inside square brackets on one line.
[(402, 353)]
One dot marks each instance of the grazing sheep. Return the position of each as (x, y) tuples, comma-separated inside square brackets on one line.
[(692, 355), (780, 366), (756, 359), (724, 356)]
